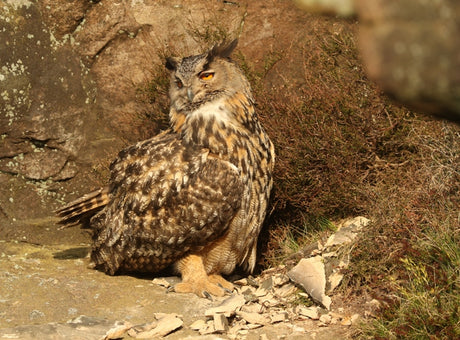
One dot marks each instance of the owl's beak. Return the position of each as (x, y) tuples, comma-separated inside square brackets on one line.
[(190, 94)]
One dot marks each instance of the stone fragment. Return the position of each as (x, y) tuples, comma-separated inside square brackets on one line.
[(334, 280), (310, 274), (167, 323), (252, 308), (236, 328), (253, 326), (285, 290), (267, 284), (260, 292), (270, 301), (161, 282), (309, 312), (220, 323), (280, 279), (325, 319), (117, 331), (198, 324), (228, 306), (208, 329), (278, 317), (348, 231), (329, 254), (254, 318), (142, 328), (340, 237)]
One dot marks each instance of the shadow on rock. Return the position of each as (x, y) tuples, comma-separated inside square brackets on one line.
[(72, 253)]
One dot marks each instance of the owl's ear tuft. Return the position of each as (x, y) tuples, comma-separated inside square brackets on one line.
[(171, 63), (223, 50)]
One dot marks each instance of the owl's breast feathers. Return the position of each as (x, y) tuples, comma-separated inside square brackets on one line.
[(166, 198), (229, 128)]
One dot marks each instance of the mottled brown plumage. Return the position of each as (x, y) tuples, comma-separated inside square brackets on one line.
[(194, 196)]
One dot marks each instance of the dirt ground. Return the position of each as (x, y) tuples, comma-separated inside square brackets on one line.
[(47, 291)]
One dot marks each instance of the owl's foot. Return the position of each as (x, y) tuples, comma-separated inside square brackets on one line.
[(195, 280)]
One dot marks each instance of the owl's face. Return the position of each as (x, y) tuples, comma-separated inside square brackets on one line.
[(200, 79)]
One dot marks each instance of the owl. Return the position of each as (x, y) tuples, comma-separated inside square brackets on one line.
[(192, 198)]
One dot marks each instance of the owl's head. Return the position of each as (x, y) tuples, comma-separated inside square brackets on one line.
[(200, 79)]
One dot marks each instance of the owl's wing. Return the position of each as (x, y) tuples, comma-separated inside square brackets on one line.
[(166, 199)]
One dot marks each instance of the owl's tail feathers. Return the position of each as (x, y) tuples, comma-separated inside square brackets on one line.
[(82, 209)]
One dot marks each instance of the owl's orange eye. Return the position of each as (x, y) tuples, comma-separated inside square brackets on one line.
[(206, 75), (179, 83)]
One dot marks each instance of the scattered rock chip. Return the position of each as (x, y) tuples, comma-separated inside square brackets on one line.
[(198, 324), (252, 308), (166, 324), (117, 331), (280, 279), (161, 282), (278, 317), (269, 301), (310, 274), (220, 323), (334, 280), (285, 290), (253, 326), (228, 306), (208, 329), (325, 319), (260, 292), (254, 318), (309, 312), (267, 284)]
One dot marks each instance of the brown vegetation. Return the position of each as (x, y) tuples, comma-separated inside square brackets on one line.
[(344, 149)]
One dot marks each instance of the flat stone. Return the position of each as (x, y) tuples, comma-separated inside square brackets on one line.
[(334, 280), (325, 319), (310, 312), (254, 318), (220, 323), (117, 332), (310, 274), (198, 324), (228, 306), (167, 323), (161, 282), (278, 317)]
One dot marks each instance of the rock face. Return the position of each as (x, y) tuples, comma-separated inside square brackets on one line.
[(76, 84)]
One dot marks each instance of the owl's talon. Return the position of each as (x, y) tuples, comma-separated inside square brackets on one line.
[(207, 295), (228, 291)]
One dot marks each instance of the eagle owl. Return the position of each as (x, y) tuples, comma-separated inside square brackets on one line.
[(193, 197)]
